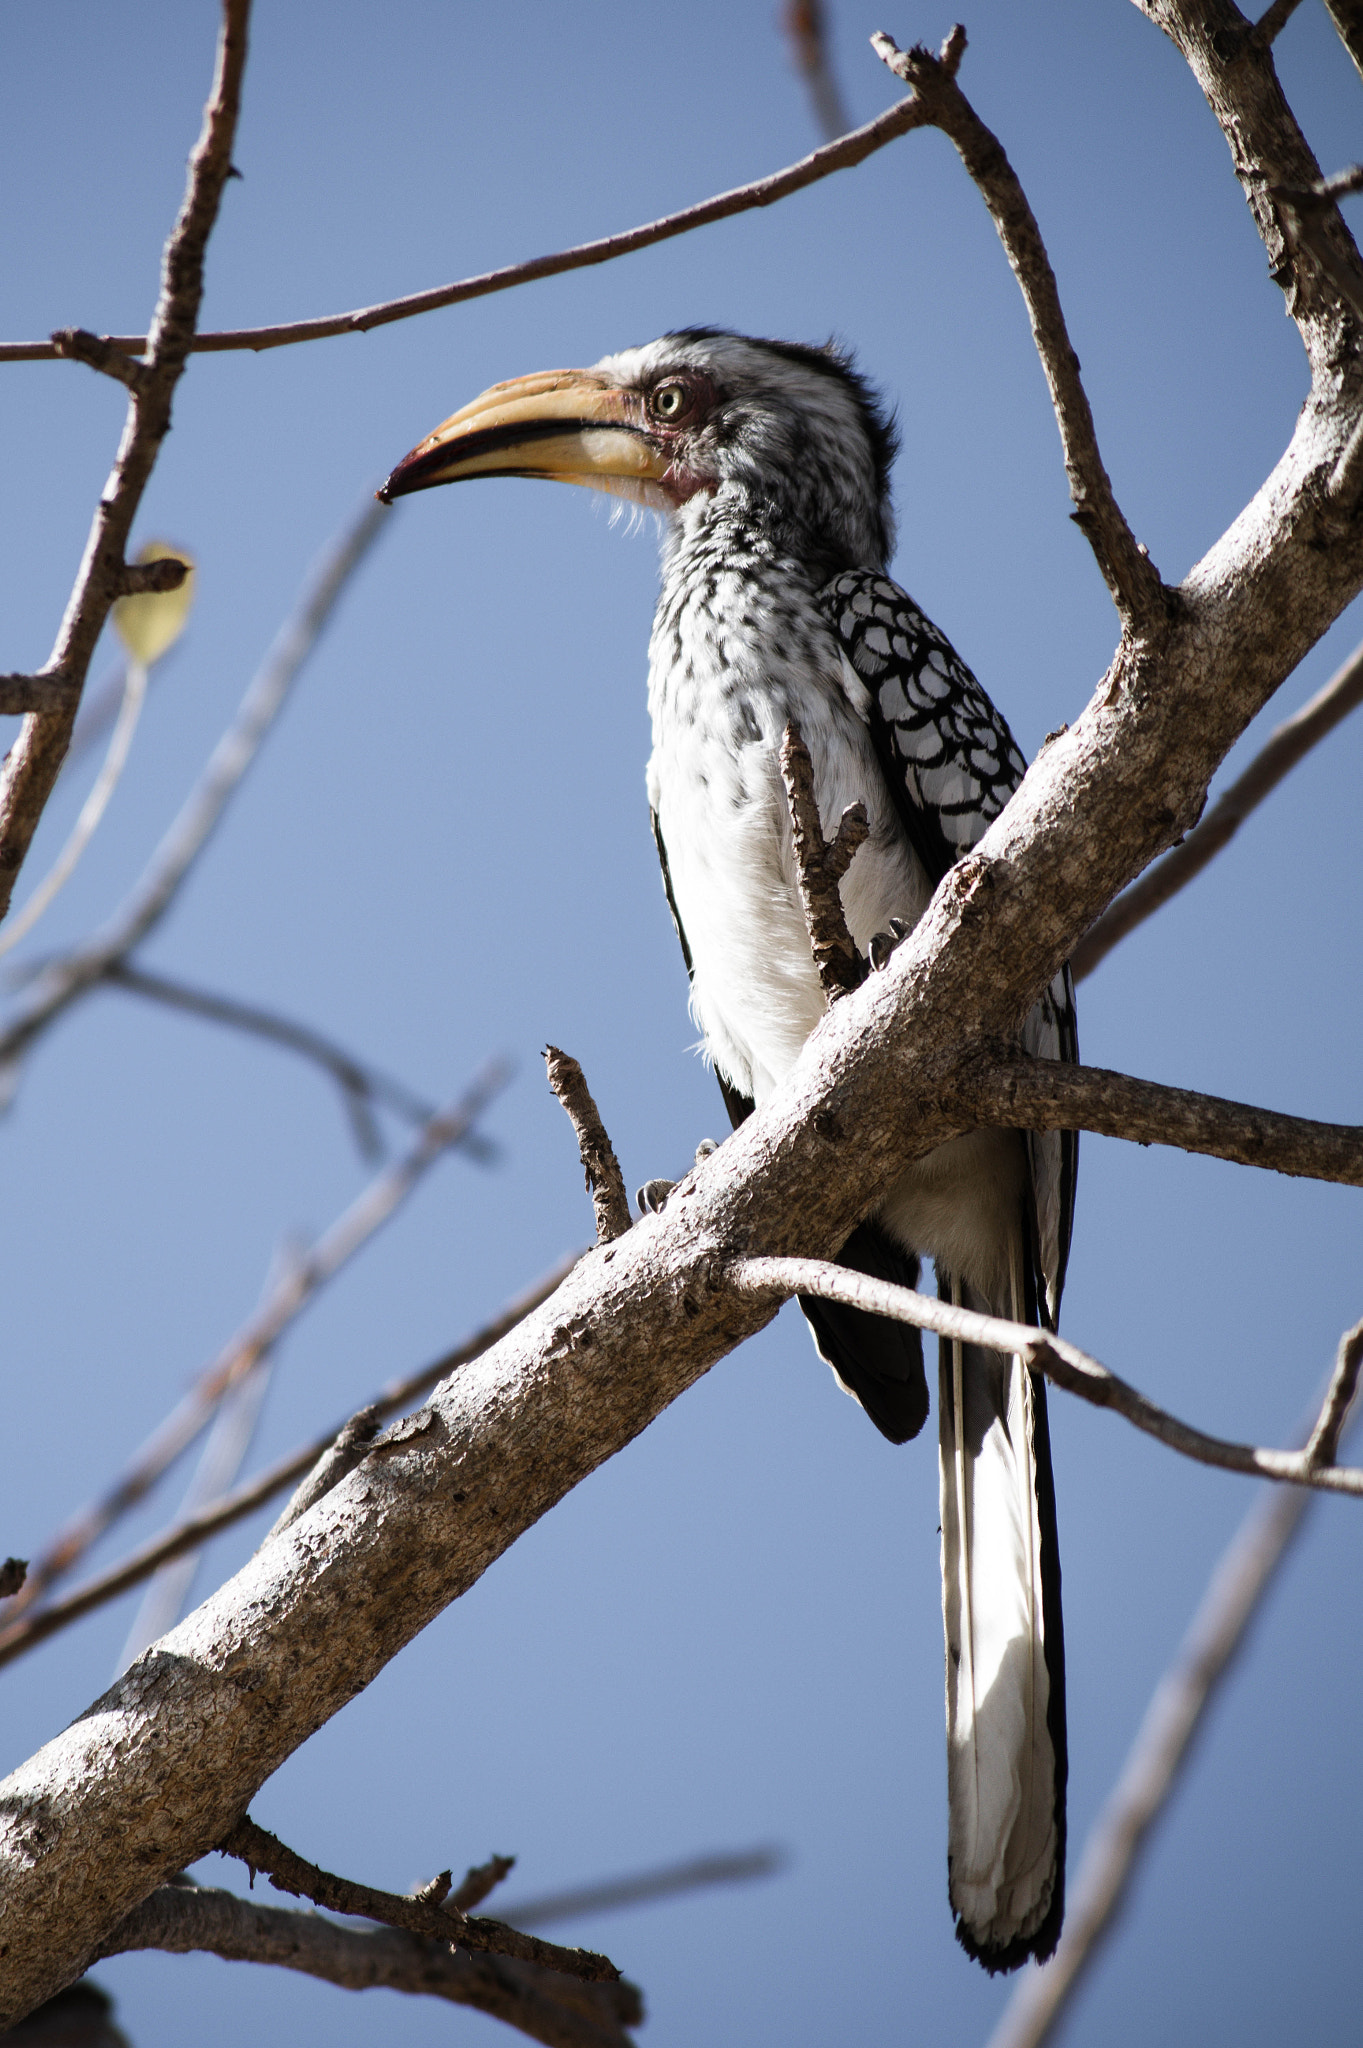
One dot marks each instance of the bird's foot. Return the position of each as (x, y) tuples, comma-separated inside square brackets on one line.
[(654, 1193), (883, 944)]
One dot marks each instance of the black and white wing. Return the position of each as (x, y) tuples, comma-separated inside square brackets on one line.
[(951, 764)]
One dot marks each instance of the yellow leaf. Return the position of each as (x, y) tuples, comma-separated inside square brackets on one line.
[(152, 621)]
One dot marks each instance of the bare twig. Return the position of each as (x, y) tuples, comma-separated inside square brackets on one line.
[(640, 1888), (346, 1450), (1064, 1363), (34, 761), (1322, 1446), (313, 1465), (1032, 1094), (1273, 21), (289, 1872), (362, 1086), (806, 24), (1289, 743), (820, 867), (49, 694), (479, 1880), (282, 1305), (599, 1163), (559, 2012), (1239, 1583), (1127, 569), (63, 980), (833, 156)]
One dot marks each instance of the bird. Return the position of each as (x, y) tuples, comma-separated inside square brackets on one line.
[(769, 464)]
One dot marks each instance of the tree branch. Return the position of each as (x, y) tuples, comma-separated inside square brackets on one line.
[(1289, 743), (819, 869), (49, 693), (183, 1917), (1070, 1368), (479, 1880), (361, 1085), (34, 761), (283, 1303), (72, 975), (1031, 1094), (1233, 64), (179, 1746), (289, 1872), (610, 1203), (1130, 575), (849, 150), (697, 1873), (320, 1465), (1273, 21)]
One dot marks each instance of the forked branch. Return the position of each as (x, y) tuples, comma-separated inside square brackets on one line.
[(289, 1872)]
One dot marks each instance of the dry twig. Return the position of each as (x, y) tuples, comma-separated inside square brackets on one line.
[(34, 761), (642, 1887), (1127, 569), (289, 1872), (62, 981), (841, 155), (283, 1303), (599, 1163), (1289, 743), (1032, 1094), (479, 1880), (320, 1465), (1064, 1363), (362, 1086), (819, 868), (558, 2011)]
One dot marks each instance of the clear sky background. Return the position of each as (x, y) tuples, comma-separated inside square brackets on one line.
[(731, 1634)]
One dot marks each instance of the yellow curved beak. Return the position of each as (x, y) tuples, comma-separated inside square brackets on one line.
[(569, 425)]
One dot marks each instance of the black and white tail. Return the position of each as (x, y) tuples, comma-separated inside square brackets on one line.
[(1005, 1651)]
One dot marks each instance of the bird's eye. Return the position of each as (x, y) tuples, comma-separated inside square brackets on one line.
[(669, 402)]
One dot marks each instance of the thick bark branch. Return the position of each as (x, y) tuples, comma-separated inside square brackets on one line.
[(35, 760), (289, 1872), (850, 149), (182, 1918), (1130, 575), (1347, 16), (1029, 1094)]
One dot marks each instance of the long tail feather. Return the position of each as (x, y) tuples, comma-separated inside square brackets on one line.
[(1005, 1656)]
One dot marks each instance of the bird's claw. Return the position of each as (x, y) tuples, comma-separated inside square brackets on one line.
[(884, 943), (651, 1196), (705, 1148)]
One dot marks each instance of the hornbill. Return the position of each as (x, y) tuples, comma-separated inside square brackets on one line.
[(769, 463)]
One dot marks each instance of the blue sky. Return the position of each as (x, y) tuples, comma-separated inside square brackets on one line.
[(732, 1632)]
